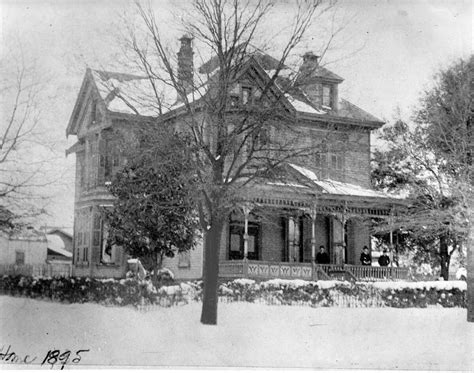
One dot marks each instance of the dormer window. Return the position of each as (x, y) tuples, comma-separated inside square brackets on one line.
[(242, 95), (327, 95), (246, 95)]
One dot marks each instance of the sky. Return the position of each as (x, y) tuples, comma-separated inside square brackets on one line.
[(387, 52)]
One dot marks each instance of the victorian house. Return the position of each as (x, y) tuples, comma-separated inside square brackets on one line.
[(324, 199)]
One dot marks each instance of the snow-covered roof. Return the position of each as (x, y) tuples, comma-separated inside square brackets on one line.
[(56, 244), (66, 231), (329, 186), (135, 95), (303, 107), (127, 94)]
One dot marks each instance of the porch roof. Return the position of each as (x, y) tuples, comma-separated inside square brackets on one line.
[(328, 186), (299, 187)]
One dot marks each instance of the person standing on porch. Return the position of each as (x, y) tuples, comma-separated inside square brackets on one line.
[(384, 260), (365, 258), (322, 257)]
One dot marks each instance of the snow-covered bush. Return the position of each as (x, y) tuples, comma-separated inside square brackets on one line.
[(79, 290), (138, 293)]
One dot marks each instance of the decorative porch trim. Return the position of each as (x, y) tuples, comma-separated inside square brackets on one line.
[(341, 208)]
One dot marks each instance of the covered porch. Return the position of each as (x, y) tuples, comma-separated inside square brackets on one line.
[(277, 231)]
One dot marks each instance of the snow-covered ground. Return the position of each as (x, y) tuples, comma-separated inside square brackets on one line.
[(248, 335)]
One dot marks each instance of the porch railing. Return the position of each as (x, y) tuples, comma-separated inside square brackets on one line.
[(307, 271)]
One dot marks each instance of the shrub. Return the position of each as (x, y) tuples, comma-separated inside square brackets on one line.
[(138, 293)]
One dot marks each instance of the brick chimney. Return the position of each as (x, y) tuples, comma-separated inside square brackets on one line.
[(310, 64), (185, 63)]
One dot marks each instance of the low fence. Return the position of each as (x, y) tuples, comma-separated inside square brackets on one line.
[(307, 271), (37, 270)]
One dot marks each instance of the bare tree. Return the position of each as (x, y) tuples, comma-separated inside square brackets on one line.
[(234, 146), (24, 152)]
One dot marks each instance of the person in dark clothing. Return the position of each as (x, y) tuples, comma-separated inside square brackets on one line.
[(365, 258), (322, 257), (384, 260)]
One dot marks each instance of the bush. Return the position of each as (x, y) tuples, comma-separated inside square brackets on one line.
[(139, 293), (79, 290)]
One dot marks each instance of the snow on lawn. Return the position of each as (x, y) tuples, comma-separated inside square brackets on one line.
[(250, 335)]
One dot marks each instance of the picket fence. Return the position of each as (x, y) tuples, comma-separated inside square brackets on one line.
[(37, 270)]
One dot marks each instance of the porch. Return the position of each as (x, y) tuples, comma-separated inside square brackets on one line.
[(264, 270)]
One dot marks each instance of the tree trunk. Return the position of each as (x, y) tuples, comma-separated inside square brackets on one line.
[(156, 267), (444, 257), (212, 242), (470, 262)]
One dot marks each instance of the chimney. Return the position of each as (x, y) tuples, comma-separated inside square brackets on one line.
[(310, 64), (185, 64)]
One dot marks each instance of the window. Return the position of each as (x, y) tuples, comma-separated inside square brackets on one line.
[(327, 95), (243, 95), (236, 241), (328, 162), (19, 258), (81, 245), (108, 249), (184, 259), (246, 95), (85, 254)]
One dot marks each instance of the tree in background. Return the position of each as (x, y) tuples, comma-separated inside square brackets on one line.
[(431, 160), (26, 150), (231, 148), (152, 215)]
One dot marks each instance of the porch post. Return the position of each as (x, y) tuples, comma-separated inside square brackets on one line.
[(390, 225), (343, 232), (246, 209), (313, 213)]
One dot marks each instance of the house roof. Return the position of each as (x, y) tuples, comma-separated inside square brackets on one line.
[(56, 244), (135, 95), (66, 231), (126, 93), (328, 186)]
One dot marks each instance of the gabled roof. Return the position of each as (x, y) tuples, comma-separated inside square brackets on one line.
[(118, 92), (128, 94)]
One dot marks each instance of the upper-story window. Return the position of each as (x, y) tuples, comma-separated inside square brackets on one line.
[(327, 95), (243, 95), (327, 163)]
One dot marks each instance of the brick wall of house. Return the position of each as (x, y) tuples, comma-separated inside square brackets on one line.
[(272, 241), (322, 236), (224, 249), (358, 236), (357, 159), (353, 145)]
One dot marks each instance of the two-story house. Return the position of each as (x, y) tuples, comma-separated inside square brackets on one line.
[(321, 199)]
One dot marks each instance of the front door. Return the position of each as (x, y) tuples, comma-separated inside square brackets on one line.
[(236, 241)]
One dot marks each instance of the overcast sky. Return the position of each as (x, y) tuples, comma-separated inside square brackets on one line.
[(389, 50)]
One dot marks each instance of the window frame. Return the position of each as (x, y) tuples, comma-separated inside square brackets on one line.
[(330, 88), (236, 227), (20, 254)]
